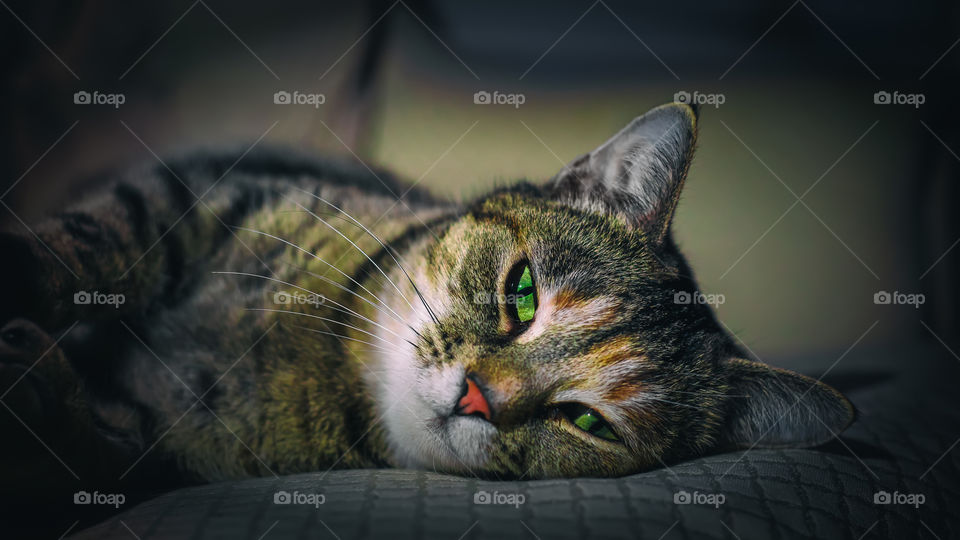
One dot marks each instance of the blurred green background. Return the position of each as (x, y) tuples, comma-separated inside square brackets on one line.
[(799, 114)]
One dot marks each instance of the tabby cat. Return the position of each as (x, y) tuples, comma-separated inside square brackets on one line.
[(267, 313)]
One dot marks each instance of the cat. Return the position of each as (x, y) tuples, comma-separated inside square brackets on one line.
[(262, 313)]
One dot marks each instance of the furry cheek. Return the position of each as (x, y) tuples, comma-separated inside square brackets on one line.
[(565, 310)]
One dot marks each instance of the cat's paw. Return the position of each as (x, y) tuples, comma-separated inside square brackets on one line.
[(37, 384), (18, 285), (19, 342), (44, 418)]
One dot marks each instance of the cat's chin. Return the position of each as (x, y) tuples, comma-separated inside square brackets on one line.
[(468, 441), (425, 436), (455, 444)]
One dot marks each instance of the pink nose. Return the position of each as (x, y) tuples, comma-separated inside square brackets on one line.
[(473, 401)]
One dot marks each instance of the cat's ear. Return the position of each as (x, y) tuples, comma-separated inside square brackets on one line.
[(638, 173), (776, 408)]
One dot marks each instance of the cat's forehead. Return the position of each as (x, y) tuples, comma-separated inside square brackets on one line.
[(547, 231), (590, 272)]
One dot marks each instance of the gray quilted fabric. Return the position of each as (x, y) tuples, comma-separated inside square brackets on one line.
[(903, 445)]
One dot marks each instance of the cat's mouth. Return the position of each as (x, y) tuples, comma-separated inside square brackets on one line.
[(463, 441), (441, 419), (461, 429)]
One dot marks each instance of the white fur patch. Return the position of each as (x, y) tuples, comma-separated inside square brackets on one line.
[(417, 402)]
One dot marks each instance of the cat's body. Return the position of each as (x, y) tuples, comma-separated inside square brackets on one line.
[(300, 318), (184, 331)]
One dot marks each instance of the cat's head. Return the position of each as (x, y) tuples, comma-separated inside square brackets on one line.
[(567, 343)]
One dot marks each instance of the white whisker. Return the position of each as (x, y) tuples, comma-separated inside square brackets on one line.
[(291, 244), (385, 248), (341, 336), (326, 319), (348, 291), (708, 393), (343, 308), (678, 404), (358, 248)]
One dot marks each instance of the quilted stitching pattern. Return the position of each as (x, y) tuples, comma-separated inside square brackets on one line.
[(905, 426)]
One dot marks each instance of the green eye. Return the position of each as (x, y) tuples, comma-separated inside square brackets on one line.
[(588, 420), (522, 294)]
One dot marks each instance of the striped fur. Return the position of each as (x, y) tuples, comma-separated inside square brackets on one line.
[(203, 370)]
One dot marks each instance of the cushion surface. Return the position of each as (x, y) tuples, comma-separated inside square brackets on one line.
[(901, 449)]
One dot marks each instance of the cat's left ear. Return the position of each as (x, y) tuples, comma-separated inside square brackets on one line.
[(638, 173), (776, 408)]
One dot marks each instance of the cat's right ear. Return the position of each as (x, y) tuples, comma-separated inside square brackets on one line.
[(777, 408), (637, 174)]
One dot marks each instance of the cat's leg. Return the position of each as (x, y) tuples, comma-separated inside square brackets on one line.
[(48, 429), (120, 257), (133, 250), (144, 236), (132, 244)]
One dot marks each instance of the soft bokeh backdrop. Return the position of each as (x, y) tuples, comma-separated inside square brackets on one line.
[(797, 79)]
